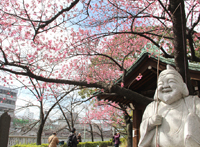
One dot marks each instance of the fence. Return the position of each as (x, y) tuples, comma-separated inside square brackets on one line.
[(12, 140)]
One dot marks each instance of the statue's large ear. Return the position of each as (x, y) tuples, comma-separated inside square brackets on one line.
[(185, 90)]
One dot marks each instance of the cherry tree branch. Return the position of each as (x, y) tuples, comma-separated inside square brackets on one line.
[(165, 9)]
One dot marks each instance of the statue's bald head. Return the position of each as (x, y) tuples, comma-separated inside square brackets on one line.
[(171, 70)]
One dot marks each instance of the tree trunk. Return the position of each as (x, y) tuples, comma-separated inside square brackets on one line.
[(101, 134), (39, 133), (179, 30), (129, 135), (91, 132), (41, 125), (129, 130)]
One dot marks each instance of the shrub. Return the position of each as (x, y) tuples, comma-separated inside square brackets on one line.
[(103, 144), (123, 140), (30, 145), (88, 144), (81, 144)]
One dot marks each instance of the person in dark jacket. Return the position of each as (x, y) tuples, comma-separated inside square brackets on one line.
[(117, 140), (79, 137), (74, 138)]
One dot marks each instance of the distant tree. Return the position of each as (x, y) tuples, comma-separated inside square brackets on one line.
[(51, 96), (71, 111), (110, 114)]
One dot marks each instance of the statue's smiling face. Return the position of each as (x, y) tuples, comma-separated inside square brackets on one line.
[(170, 88)]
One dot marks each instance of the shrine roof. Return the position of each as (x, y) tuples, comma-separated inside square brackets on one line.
[(146, 66)]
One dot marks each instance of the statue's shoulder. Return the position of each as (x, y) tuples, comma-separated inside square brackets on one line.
[(192, 98), (151, 106), (191, 101)]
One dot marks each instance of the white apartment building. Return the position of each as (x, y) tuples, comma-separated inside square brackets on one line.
[(28, 114), (8, 99)]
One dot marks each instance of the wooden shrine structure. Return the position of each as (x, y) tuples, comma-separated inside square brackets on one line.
[(146, 65)]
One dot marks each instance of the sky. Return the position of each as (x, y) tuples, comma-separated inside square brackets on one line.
[(22, 99), (24, 96)]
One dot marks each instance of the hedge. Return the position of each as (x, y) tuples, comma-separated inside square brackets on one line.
[(81, 144)]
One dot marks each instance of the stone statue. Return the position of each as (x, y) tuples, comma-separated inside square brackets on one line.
[(173, 118)]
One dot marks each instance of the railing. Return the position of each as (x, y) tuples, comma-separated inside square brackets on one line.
[(13, 140), (28, 139)]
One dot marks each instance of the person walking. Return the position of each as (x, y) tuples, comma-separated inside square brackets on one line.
[(72, 139), (117, 139), (53, 140), (79, 137)]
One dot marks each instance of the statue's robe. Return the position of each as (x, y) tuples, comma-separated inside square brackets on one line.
[(171, 132)]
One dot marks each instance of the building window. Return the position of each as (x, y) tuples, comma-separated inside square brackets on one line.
[(3, 100), (2, 91)]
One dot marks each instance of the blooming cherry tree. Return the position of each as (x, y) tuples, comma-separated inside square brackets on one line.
[(89, 43), (37, 35), (109, 114)]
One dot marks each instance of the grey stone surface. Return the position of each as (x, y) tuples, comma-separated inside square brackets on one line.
[(4, 129)]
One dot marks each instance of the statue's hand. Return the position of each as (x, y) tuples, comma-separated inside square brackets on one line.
[(155, 120)]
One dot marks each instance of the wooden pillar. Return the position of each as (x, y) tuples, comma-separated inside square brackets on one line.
[(137, 117)]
